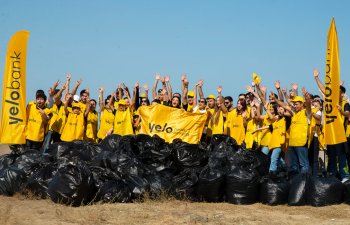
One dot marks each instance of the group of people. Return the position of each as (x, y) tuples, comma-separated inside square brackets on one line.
[(285, 125)]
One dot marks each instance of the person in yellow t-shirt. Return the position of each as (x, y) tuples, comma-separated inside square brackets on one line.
[(122, 120), (236, 122), (278, 138), (38, 117), (107, 112), (297, 155), (91, 123), (74, 128)]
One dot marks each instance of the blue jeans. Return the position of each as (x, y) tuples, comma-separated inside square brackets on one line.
[(265, 150), (298, 159), (337, 159), (276, 159)]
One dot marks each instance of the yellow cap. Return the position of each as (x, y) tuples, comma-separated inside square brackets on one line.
[(122, 102), (143, 95), (190, 94), (75, 105), (136, 113), (298, 99), (211, 97)]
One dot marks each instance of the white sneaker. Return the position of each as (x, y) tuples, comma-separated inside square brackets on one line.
[(344, 179)]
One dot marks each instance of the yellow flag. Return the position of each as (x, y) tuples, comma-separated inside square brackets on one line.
[(333, 127), (170, 123), (13, 110)]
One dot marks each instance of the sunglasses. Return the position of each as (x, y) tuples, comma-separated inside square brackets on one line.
[(201, 101), (226, 103), (144, 101)]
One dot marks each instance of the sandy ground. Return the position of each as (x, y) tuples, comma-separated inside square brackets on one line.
[(26, 210)]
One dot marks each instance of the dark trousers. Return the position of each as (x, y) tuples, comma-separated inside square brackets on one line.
[(313, 155), (337, 159), (34, 144)]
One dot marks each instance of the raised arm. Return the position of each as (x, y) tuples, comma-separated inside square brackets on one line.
[(68, 78), (184, 91), (307, 101), (69, 100), (101, 102), (295, 88), (262, 93), (200, 88), (76, 86), (278, 87), (318, 81), (154, 89), (170, 90), (145, 87), (57, 96), (221, 100)]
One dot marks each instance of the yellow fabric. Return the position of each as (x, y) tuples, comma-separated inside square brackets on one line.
[(106, 123), (58, 118), (189, 108), (62, 118), (334, 131), (216, 128), (35, 129), (13, 111), (278, 135), (171, 123), (91, 126), (74, 127), (235, 126), (266, 134), (249, 137), (123, 123), (298, 129)]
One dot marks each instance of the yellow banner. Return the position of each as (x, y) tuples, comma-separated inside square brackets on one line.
[(334, 129), (13, 110), (170, 123)]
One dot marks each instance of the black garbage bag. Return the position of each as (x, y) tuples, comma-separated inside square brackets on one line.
[(347, 192), (323, 190), (160, 183), (72, 185), (28, 162), (11, 180), (106, 159), (138, 186), (184, 183), (297, 190), (210, 185), (38, 182), (151, 149), (113, 191), (110, 143), (242, 185), (222, 143), (188, 155), (7, 160), (262, 164), (127, 145), (274, 192)]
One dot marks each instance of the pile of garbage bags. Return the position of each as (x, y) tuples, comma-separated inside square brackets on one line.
[(127, 168)]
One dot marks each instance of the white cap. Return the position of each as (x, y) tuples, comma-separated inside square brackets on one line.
[(76, 98)]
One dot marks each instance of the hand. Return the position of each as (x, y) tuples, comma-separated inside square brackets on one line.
[(339, 108), (277, 84), (183, 77), (294, 86), (87, 91), (51, 92), (284, 90), (316, 73), (186, 82), (68, 77), (273, 98), (136, 84), (263, 88), (200, 83), (101, 90), (342, 82), (249, 89), (253, 84), (64, 86), (219, 89), (303, 90), (157, 76), (145, 86), (56, 83), (167, 78), (162, 79), (78, 82), (42, 114)]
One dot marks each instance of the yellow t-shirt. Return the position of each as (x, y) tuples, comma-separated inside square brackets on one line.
[(35, 129), (312, 126), (266, 134), (106, 123), (216, 128), (123, 123), (278, 135), (298, 129), (91, 126), (249, 137), (235, 126), (74, 127)]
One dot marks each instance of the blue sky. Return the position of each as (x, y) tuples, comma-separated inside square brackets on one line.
[(222, 42)]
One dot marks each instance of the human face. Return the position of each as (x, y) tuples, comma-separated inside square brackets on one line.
[(227, 103), (242, 98), (40, 102), (280, 111), (175, 102), (92, 105), (76, 110), (271, 99), (121, 107), (84, 97), (144, 101), (127, 102), (291, 93), (160, 96), (201, 104), (211, 103), (239, 106), (190, 100), (298, 106), (272, 111)]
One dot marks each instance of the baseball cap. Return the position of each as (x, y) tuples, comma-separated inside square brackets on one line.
[(76, 98), (211, 97), (298, 99), (190, 94)]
